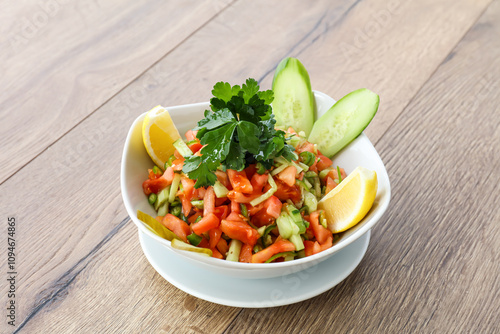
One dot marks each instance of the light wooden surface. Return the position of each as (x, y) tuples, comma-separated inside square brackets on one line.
[(72, 85)]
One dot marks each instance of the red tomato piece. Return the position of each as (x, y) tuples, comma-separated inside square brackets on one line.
[(239, 181), (206, 223), (279, 246), (176, 225), (240, 230), (288, 175)]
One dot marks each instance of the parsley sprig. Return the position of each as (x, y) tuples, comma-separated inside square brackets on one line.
[(237, 131)]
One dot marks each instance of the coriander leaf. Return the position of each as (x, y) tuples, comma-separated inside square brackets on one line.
[(250, 88), (215, 120), (203, 176), (248, 136), (191, 163), (217, 104), (217, 143), (223, 91), (236, 157), (267, 96)]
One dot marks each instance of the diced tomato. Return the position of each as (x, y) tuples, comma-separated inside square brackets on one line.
[(178, 155), (177, 164), (240, 230), (214, 235), (307, 146), (222, 246), (223, 178), (259, 181), (291, 130), (320, 232), (335, 175), (155, 186), (285, 192), (311, 247), (239, 181), (216, 253), (195, 147), (262, 218), (206, 223), (246, 253), (187, 187), (328, 243), (204, 243), (221, 211), (273, 206), (281, 245), (288, 175), (152, 175), (250, 171), (234, 216), (220, 201), (323, 162), (209, 201), (235, 207), (330, 184), (236, 196), (191, 135), (200, 192), (186, 205), (176, 225), (194, 216)]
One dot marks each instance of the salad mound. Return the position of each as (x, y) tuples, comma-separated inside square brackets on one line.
[(254, 215), (241, 189)]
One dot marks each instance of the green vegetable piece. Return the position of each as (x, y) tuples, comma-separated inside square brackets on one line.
[(174, 187), (178, 244), (156, 170), (285, 227), (170, 161), (307, 158), (276, 256), (311, 202), (176, 210), (233, 254), (344, 121), (194, 239), (261, 169), (155, 226), (162, 197), (293, 103), (338, 173), (163, 209), (296, 240), (182, 148), (244, 210), (220, 190), (152, 198), (198, 203)]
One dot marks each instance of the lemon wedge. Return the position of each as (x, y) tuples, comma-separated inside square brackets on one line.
[(159, 133), (346, 204)]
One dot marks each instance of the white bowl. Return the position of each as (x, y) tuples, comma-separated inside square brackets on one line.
[(136, 161)]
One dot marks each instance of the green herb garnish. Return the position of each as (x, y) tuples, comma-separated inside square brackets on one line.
[(237, 131)]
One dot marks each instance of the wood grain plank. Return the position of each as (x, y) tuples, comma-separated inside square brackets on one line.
[(61, 60), (433, 263), (153, 305), (86, 161)]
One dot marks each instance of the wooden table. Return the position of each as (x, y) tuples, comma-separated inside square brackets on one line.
[(75, 74)]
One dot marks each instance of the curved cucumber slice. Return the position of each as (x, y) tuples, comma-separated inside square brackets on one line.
[(293, 103), (344, 121)]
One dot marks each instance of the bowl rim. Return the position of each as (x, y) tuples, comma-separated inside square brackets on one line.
[(239, 265)]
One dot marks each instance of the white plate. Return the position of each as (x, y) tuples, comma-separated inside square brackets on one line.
[(254, 293)]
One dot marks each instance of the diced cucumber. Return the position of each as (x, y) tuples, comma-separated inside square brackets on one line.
[(163, 209), (344, 121), (311, 202), (162, 197), (233, 254), (182, 148), (220, 190), (198, 203), (293, 103), (284, 225), (296, 240), (174, 187)]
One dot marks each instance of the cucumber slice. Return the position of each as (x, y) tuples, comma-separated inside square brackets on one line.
[(293, 103), (344, 121)]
